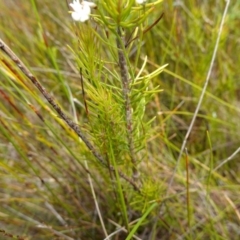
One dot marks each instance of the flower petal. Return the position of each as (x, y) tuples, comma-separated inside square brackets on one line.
[(76, 16), (90, 4), (81, 10)]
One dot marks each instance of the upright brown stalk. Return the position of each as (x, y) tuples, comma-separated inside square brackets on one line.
[(126, 95), (58, 109)]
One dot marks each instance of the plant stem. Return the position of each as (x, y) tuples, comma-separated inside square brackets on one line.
[(126, 95)]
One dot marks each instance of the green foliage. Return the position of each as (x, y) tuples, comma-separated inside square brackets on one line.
[(54, 186)]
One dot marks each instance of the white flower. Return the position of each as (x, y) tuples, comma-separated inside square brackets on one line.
[(140, 1), (81, 10)]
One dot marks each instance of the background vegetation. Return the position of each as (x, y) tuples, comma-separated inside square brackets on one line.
[(51, 185)]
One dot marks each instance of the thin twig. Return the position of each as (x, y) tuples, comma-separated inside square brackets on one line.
[(145, 30), (202, 95), (55, 213), (227, 159), (126, 95), (67, 120)]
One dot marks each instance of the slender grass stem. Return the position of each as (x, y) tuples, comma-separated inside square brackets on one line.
[(187, 188), (202, 94)]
